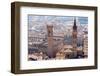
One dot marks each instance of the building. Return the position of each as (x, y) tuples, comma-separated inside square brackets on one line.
[(74, 37), (34, 39), (60, 55), (85, 43)]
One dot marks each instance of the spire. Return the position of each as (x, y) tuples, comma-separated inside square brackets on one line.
[(75, 27)]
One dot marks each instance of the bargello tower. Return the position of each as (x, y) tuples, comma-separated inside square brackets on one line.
[(74, 36), (50, 40)]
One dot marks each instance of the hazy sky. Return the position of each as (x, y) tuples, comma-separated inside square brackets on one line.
[(60, 19), (36, 22)]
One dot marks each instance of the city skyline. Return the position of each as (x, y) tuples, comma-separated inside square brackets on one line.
[(57, 37)]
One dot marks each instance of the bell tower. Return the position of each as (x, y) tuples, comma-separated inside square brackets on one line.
[(50, 41), (74, 36)]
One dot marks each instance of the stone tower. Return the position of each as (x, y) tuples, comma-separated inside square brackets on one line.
[(74, 36), (85, 43), (50, 41)]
